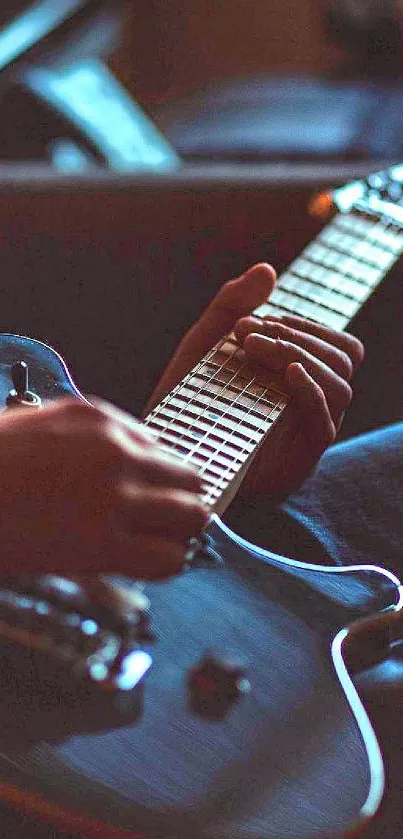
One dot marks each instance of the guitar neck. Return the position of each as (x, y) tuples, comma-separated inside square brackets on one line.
[(217, 417), (219, 414), (337, 273)]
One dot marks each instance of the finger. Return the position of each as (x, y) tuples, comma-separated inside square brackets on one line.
[(106, 591), (236, 298), (154, 464), (174, 514), (125, 422), (145, 557), (349, 344), (160, 468), (277, 355), (331, 355), (148, 557), (312, 407)]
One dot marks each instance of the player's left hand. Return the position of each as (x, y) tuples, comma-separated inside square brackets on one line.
[(315, 365)]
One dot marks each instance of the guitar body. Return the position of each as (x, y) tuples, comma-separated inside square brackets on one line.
[(288, 753)]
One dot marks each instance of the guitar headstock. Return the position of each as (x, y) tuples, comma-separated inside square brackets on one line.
[(380, 194)]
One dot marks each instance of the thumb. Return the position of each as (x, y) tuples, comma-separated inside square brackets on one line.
[(235, 299)]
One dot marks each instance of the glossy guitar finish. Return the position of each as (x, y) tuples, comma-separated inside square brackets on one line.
[(293, 757)]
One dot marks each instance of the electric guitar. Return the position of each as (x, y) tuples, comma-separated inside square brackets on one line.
[(224, 707)]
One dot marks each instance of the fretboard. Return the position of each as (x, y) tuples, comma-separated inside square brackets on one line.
[(337, 273), (220, 413)]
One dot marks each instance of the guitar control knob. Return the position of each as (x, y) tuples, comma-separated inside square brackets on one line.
[(20, 396), (216, 683)]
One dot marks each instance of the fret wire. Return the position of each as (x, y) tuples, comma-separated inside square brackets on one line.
[(222, 390), (220, 457), (348, 274), (192, 373), (220, 448), (190, 421), (334, 320), (276, 406), (244, 450), (190, 425), (317, 255), (360, 258), (207, 436), (254, 417), (226, 399), (296, 270), (352, 222), (264, 421), (160, 405), (381, 225), (252, 408), (333, 252), (278, 310), (321, 301), (233, 461), (232, 434)]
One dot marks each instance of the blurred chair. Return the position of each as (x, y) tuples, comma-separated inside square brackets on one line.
[(343, 108), (282, 118), (61, 103), (310, 80), (58, 100)]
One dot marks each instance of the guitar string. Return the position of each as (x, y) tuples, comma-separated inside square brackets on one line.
[(198, 391), (261, 431), (208, 405), (194, 372), (227, 412), (372, 240), (258, 430), (177, 391)]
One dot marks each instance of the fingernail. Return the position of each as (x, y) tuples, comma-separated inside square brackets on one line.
[(271, 341)]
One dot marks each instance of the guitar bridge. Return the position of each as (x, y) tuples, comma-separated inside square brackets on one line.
[(50, 636)]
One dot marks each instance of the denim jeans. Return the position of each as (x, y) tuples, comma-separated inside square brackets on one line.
[(350, 510)]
